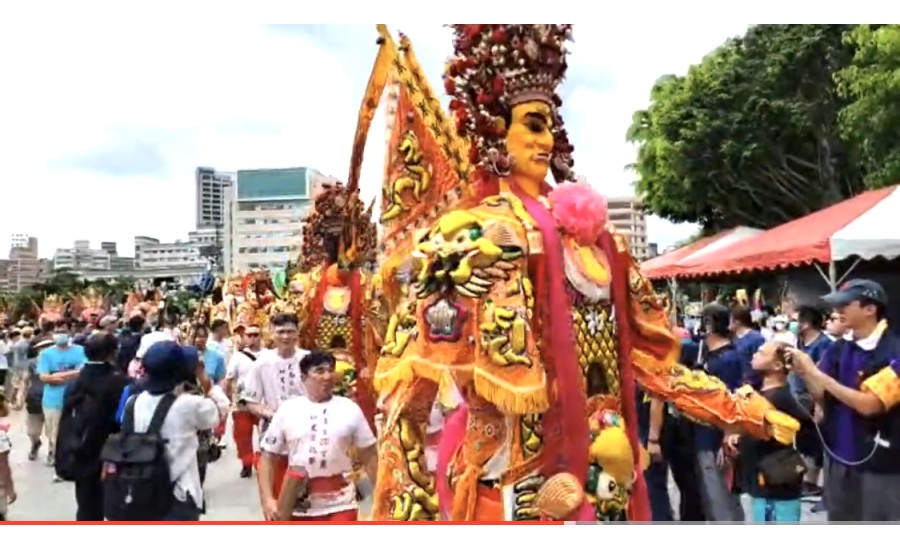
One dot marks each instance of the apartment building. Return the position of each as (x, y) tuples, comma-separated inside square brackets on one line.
[(211, 188), (627, 216), (151, 253), (25, 267), (81, 257)]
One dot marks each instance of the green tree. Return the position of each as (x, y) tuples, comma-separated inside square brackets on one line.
[(750, 135), (871, 85), (64, 282)]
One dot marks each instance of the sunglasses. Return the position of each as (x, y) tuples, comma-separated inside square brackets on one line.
[(253, 334)]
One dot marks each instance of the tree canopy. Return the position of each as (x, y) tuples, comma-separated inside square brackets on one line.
[(871, 85), (761, 131)]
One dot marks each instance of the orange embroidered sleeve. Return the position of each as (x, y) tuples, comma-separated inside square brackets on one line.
[(885, 385), (655, 352)]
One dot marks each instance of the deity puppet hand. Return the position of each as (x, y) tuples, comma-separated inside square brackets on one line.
[(559, 497), (779, 426), (782, 428)]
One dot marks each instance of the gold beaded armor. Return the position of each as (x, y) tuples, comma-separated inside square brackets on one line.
[(595, 335), (334, 332)]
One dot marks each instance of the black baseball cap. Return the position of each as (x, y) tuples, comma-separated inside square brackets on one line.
[(855, 290)]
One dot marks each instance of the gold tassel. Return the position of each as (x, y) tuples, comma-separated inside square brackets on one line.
[(510, 399)]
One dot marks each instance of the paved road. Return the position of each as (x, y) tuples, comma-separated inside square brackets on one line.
[(229, 498)]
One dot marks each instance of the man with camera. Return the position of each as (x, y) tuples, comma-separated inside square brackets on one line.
[(857, 383)]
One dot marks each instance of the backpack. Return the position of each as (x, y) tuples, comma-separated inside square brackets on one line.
[(35, 396), (137, 485), (77, 438)]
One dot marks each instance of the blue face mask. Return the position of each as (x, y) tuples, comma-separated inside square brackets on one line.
[(60, 339)]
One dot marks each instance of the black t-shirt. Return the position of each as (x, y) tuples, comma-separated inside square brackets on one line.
[(753, 450)]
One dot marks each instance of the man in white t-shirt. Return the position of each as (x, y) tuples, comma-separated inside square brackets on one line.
[(275, 378), (239, 367), (317, 433)]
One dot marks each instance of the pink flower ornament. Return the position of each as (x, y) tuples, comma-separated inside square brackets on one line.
[(580, 211)]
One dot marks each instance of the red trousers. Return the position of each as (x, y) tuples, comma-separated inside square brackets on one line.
[(242, 431), (344, 515), (280, 469)]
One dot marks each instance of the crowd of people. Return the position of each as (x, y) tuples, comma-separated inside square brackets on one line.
[(833, 368), (133, 416)]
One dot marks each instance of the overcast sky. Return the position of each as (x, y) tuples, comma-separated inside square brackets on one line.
[(106, 125)]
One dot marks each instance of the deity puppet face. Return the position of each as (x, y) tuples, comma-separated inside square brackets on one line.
[(529, 140)]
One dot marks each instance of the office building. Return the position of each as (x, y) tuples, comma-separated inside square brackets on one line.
[(264, 215), (19, 240), (211, 186), (25, 267), (627, 216), (81, 257), (4, 277), (151, 253)]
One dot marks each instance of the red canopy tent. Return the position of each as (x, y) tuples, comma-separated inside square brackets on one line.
[(666, 265), (799, 242)]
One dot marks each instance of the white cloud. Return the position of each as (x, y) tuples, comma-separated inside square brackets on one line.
[(250, 97)]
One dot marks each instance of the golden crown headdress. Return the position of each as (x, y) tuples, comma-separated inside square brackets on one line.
[(52, 301), (494, 68)]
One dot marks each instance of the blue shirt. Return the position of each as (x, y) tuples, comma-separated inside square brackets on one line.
[(727, 365), (214, 362), (746, 346), (53, 360)]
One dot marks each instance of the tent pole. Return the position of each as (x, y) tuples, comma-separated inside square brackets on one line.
[(832, 275), (832, 279), (849, 270), (673, 296)]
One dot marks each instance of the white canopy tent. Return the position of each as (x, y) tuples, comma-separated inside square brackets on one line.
[(876, 232)]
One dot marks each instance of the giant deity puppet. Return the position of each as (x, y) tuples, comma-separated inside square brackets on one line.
[(328, 286), (53, 310), (90, 306), (523, 301)]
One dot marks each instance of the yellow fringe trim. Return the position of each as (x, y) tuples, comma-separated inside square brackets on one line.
[(406, 370), (510, 397), (505, 395)]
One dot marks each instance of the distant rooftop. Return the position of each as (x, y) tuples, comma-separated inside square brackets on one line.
[(273, 184)]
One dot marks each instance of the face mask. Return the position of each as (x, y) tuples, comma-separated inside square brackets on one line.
[(61, 339), (794, 327)]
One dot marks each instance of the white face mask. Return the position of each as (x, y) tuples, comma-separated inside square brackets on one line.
[(61, 339)]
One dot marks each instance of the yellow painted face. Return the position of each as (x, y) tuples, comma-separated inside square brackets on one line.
[(529, 141)]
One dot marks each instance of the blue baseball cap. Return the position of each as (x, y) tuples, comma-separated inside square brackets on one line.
[(167, 364), (856, 290)]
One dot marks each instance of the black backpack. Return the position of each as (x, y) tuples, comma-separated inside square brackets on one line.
[(35, 396), (137, 485), (79, 432)]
